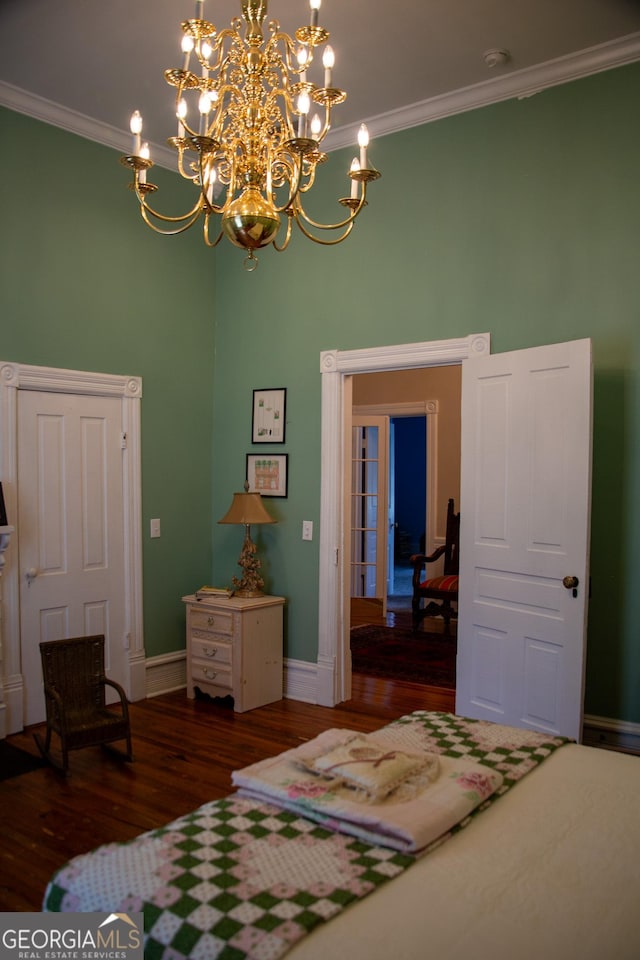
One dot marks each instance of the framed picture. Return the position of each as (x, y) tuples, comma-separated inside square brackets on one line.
[(3, 512), (267, 474), (269, 409)]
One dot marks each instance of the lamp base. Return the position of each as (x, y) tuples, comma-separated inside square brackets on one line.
[(251, 583)]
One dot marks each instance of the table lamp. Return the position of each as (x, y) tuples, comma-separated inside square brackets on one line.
[(248, 508)]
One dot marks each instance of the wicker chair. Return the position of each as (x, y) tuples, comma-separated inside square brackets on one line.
[(74, 689)]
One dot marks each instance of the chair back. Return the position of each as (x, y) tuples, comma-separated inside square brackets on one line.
[(75, 669), (452, 542)]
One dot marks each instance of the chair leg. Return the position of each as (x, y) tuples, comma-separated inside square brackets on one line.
[(416, 614), (117, 752), (45, 750), (43, 747)]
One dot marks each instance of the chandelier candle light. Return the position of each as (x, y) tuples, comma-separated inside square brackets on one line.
[(253, 142)]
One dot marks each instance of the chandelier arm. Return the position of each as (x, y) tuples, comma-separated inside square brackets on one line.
[(325, 243), (181, 168), (290, 54), (300, 213), (187, 221), (295, 170), (193, 213), (218, 46), (327, 122), (311, 176), (205, 232), (285, 242)]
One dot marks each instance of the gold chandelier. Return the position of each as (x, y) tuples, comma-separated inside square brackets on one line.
[(252, 154)]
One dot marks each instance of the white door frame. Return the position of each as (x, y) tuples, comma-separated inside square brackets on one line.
[(336, 366), (17, 376)]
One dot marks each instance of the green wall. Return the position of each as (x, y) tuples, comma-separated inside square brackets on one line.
[(521, 219), (85, 285)]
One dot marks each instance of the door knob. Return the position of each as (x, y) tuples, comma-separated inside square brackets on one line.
[(571, 583), (31, 574)]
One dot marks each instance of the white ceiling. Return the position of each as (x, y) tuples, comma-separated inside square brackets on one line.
[(84, 65)]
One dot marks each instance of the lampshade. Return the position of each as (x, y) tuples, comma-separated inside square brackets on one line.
[(247, 508)]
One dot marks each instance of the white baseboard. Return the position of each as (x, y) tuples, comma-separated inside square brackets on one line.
[(168, 672), (301, 681), (613, 734)]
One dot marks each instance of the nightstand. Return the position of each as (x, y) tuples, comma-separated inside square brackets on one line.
[(234, 648)]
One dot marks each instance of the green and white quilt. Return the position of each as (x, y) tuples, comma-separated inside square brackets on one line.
[(244, 877)]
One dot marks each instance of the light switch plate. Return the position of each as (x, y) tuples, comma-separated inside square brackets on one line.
[(154, 528), (307, 529)]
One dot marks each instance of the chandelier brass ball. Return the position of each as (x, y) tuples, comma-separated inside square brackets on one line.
[(251, 221)]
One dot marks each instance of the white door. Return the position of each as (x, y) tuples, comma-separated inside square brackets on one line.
[(71, 529), (525, 507), (369, 508)]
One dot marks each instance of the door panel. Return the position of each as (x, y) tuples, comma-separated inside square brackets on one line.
[(525, 506), (71, 529)]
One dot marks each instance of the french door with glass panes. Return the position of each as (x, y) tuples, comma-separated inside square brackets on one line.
[(369, 509)]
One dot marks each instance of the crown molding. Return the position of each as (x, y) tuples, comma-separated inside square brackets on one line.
[(517, 84), (73, 122)]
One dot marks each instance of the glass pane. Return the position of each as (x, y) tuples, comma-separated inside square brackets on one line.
[(370, 477), (363, 580), (371, 440), (370, 546)]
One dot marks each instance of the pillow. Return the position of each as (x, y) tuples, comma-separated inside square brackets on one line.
[(372, 768)]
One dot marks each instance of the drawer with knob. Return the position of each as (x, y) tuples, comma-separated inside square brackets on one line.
[(211, 648), (212, 621), (234, 647), (212, 673)]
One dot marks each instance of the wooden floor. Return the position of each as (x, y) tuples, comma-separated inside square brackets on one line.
[(185, 751)]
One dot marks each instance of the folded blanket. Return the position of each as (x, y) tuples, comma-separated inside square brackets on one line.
[(313, 780), (368, 770)]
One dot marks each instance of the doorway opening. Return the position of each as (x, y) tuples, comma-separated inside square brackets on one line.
[(338, 368)]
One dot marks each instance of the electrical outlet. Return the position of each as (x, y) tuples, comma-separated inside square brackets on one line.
[(307, 529), (154, 528)]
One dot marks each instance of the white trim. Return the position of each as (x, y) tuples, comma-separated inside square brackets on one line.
[(335, 367), (413, 408), (616, 734), (165, 673), (19, 376), (168, 672), (517, 83), (73, 122), (300, 680), (509, 86)]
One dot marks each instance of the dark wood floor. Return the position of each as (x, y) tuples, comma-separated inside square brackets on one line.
[(185, 753)]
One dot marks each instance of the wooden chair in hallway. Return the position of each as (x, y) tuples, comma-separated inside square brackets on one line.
[(441, 591), (75, 696)]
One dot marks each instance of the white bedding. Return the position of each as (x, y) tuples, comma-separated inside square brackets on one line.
[(549, 872)]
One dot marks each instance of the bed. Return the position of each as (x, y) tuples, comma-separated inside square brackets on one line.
[(534, 853)]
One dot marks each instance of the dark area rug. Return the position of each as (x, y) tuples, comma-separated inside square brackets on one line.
[(14, 762), (399, 654)]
